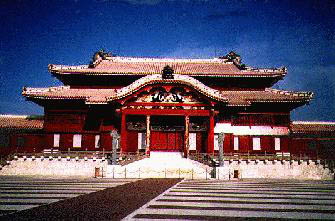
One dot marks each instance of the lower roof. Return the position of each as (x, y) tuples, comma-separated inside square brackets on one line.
[(25, 122), (312, 127), (21, 122)]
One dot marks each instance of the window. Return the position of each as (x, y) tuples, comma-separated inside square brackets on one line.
[(216, 142), (56, 140), (77, 140), (277, 143), (236, 174), (193, 141), (92, 121), (97, 141), (256, 143), (4, 140), (141, 140), (20, 142), (236, 144), (312, 145)]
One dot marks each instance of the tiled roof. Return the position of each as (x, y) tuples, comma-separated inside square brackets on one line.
[(245, 98), (310, 127), (65, 92), (144, 66), (232, 98), (21, 122)]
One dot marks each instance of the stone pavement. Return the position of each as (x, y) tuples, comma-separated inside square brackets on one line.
[(31, 198), (21, 193), (242, 200), (96, 199)]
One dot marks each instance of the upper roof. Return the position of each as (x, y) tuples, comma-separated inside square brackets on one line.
[(231, 98), (227, 66), (21, 122)]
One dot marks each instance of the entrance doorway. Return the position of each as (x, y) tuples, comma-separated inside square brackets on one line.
[(166, 141), (167, 133)]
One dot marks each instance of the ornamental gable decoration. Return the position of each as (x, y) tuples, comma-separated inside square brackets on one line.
[(175, 95), (160, 96), (167, 72)]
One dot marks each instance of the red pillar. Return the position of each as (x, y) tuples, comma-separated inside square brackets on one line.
[(147, 148), (123, 133), (210, 146), (186, 141)]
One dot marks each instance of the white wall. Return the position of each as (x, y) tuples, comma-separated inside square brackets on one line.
[(253, 130)]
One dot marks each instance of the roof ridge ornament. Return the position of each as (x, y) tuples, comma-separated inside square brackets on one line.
[(236, 59), (167, 72), (98, 57), (231, 56)]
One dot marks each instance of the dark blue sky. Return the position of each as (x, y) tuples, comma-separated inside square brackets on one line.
[(297, 34)]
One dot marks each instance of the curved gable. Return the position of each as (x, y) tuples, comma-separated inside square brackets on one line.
[(157, 79)]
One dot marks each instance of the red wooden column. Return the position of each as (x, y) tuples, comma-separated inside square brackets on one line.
[(210, 146), (187, 133), (147, 148), (123, 133)]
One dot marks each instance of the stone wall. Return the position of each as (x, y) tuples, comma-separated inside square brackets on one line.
[(294, 169), (243, 169), (53, 166)]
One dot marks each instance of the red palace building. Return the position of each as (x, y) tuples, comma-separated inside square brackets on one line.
[(161, 104)]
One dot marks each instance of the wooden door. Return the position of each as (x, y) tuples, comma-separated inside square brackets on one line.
[(166, 141)]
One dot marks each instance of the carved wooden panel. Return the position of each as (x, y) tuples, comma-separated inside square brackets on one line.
[(175, 95)]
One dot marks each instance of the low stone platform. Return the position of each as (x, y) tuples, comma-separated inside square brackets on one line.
[(169, 165), (53, 166), (274, 169)]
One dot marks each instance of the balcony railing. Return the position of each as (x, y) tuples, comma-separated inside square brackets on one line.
[(121, 158), (213, 159)]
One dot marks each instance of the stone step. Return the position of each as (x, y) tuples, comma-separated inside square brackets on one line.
[(162, 165), (161, 155)]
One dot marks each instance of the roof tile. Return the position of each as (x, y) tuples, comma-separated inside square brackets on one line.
[(233, 98), (312, 127), (143, 66), (21, 122)]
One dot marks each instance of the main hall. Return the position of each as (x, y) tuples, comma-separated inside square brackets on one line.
[(167, 104), (192, 107)]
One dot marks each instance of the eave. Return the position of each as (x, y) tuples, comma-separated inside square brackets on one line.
[(229, 98)]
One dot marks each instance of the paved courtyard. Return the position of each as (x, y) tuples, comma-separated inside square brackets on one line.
[(76, 199), (170, 199), (254, 199), (21, 193)]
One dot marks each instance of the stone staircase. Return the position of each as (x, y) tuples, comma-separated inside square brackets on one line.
[(161, 165)]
